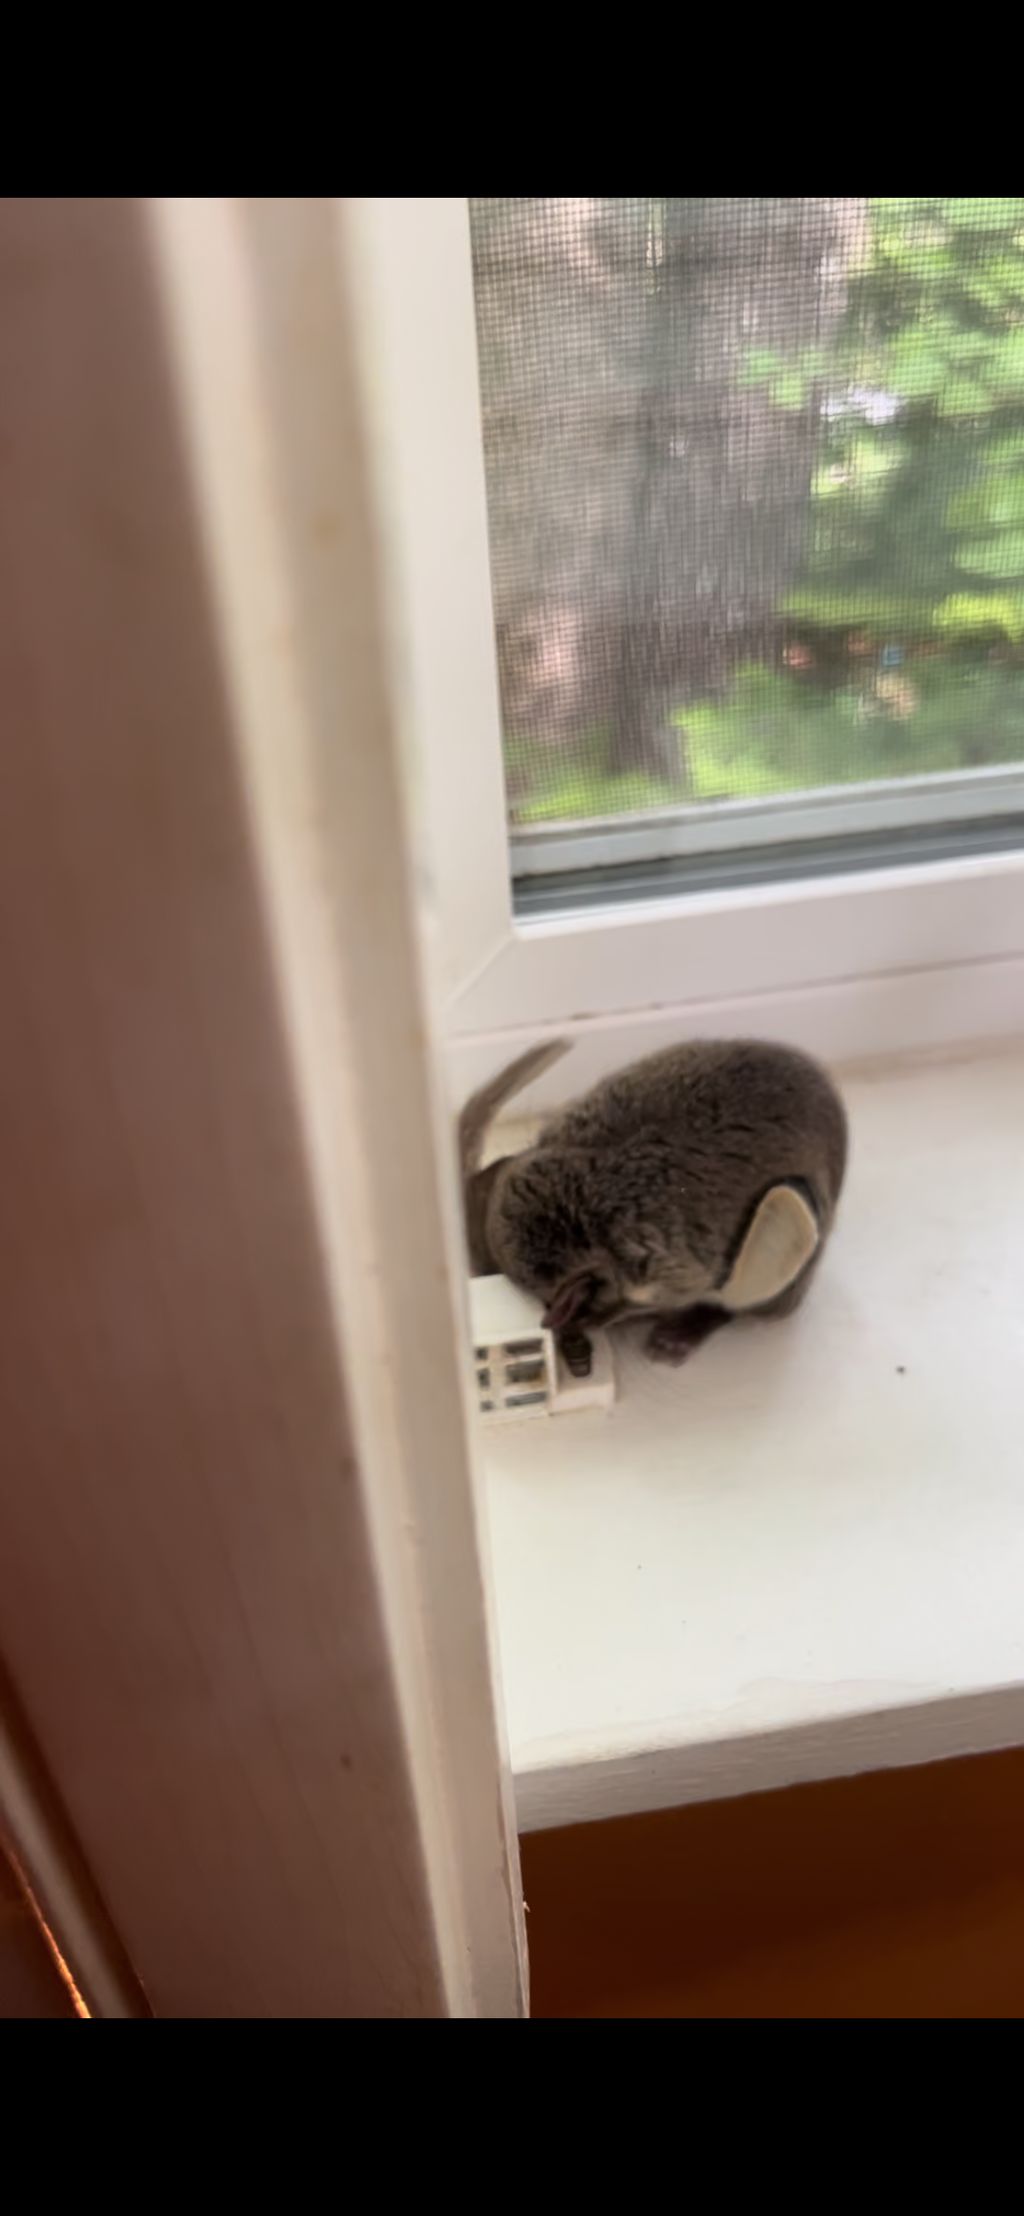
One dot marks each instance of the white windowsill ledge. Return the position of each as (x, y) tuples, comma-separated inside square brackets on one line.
[(803, 1554)]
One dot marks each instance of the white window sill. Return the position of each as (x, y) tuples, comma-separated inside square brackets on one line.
[(802, 1555)]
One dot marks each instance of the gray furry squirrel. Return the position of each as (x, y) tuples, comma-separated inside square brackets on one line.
[(695, 1185)]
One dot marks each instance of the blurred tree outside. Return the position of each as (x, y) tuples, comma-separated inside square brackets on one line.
[(756, 491)]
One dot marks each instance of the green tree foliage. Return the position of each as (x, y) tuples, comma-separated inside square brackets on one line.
[(899, 641), (919, 503)]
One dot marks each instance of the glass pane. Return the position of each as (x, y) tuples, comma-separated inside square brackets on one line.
[(755, 476)]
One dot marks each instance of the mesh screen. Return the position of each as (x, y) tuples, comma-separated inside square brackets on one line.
[(755, 475)]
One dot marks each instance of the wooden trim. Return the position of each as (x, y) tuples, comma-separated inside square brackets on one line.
[(240, 1585), (889, 1895), (31, 1986), (57, 1889)]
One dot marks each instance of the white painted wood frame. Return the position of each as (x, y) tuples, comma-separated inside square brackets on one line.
[(241, 1589), (889, 960)]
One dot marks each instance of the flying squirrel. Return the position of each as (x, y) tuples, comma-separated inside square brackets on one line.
[(695, 1185)]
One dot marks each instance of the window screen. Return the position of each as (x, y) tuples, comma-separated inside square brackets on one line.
[(755, 474)]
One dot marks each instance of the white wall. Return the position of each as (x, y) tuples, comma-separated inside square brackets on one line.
[(240, 1591)]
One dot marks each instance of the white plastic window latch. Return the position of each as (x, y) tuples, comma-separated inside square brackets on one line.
[(519, 1372)]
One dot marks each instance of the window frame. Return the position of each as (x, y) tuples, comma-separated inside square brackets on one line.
[(958, 799), (909, 954)]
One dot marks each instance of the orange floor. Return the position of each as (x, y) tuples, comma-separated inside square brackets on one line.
[(897, 1894)]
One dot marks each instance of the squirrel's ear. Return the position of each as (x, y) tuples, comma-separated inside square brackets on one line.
[(779, 1244)]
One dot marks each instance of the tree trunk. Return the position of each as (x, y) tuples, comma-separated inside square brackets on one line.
[(648, 500)]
